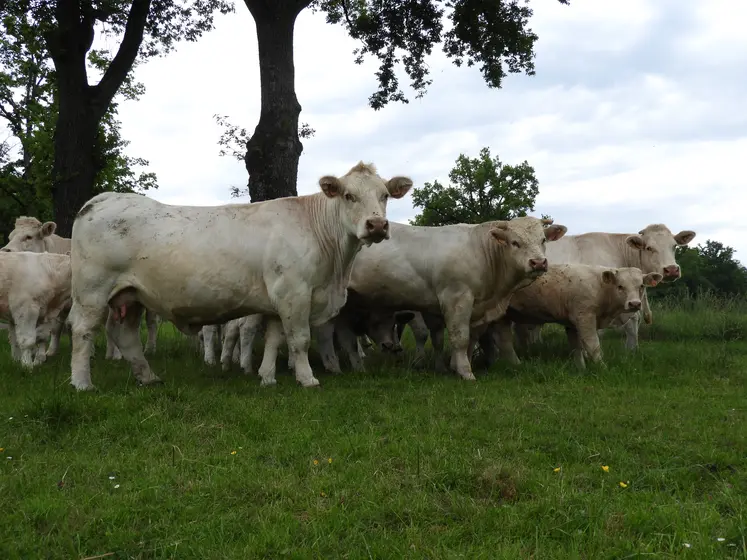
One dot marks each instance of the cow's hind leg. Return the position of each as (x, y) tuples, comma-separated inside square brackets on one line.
[(325, 345), (127, 339), (273, 340), (15, 354), (83, 322), (54, 339), (151, 323), (112, 352), (211, 336), (248, 329), (230, 344)]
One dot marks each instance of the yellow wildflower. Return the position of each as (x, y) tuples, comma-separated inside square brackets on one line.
[(2, 449), (623, 485), (322, 494), (329, 460), (556, 469), (316, 462), (233, 452), (605, 468)]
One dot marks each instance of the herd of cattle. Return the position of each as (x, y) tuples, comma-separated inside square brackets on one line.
[(328, 264)]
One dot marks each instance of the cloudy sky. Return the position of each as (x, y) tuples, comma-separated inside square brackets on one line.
[(636, 115)]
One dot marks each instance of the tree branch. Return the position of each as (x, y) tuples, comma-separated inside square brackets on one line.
[(115, 75)]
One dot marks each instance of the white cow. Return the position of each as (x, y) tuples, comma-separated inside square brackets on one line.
[(651, 250), (287, 258), (465, 272), (29, 234), (583, 298), (34, 290)]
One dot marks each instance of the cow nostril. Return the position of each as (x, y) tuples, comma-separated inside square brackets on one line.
[(4, 250)]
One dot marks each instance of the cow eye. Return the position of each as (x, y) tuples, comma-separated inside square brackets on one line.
[(621, 288), (650, 249), (516, 244), (349, 197), (27, 238), (385, 197)]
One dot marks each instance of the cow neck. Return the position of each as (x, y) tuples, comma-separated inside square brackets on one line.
[(335, 244)]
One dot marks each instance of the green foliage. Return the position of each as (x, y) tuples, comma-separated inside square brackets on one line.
[(423, 465), (493, 35), (28, 108), (480, 190), (708, 268)]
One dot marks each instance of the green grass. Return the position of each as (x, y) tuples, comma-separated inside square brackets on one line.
[(423, 465)]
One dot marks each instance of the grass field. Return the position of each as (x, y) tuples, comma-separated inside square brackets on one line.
[(393, 463)]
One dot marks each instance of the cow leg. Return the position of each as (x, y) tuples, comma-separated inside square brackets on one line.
[(209, 334), (503, 337), (487, 344), (26, 320), (273, 339), (230, 344), (457, 310), (631, 331), (575, 343), (349, 344), (295, 316), (56, 332), (361, 353), (83, 320), (435, 327), (151, 323), (127, 339), (248, 328), (589, 340), (420, 334), (14, 352), (112, 352), (325, 344)]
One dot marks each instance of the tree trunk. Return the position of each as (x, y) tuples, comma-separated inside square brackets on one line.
[(274, 149), (74, 170)]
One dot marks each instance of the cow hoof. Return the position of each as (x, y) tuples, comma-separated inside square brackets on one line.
[(313, 382), (225, 367), (83, 386), (268, 382), (155, 380), (469, 377)]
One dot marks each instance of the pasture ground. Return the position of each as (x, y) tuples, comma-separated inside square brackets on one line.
[(394, 463)]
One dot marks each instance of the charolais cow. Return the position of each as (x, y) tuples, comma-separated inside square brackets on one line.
[(288, 259), (651, 250), (29, 234), (583, 298), (466, 272), (34, 290)]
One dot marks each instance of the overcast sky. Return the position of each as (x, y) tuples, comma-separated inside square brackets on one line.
[(637, 114)]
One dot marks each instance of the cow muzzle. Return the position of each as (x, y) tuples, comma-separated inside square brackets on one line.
[(634, 305), (376, 229), (671, 272), (538, 265)]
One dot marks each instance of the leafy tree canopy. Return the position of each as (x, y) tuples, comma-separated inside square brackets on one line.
[(481, 189)]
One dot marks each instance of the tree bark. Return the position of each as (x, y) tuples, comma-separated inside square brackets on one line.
[(82, 106), (274, 149)]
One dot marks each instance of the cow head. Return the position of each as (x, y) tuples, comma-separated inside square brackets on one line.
[(381, 327), (524, 240), (362, 196), (28, 235), (625, 286), (656, 245)]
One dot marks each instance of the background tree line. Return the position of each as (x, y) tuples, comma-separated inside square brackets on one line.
[(483, 188)]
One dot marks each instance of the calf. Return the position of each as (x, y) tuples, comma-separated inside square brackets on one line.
[(34, 289), (583, 298)]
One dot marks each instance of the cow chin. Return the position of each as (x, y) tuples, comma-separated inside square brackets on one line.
[(372, 238)]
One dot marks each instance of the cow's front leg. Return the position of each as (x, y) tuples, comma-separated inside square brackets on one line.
[(588, 338), (294, 313), (25, 320), (112, 352), (576, 348), (457, 311), (631, 331), (210, 337), (230, 344), (56, 332), (503, 337), (325, 344), (15, 354), (349, 344), (435, 326)]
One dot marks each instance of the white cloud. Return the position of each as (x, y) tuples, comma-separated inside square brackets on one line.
[(635, 115)]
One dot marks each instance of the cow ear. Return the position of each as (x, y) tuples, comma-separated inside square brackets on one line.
[(331, 186), (404, 317), (48, 228), (636, 241), (609, 276), (398, 186), (553, 233), (500, 235), (684, 237), (652, 279)]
